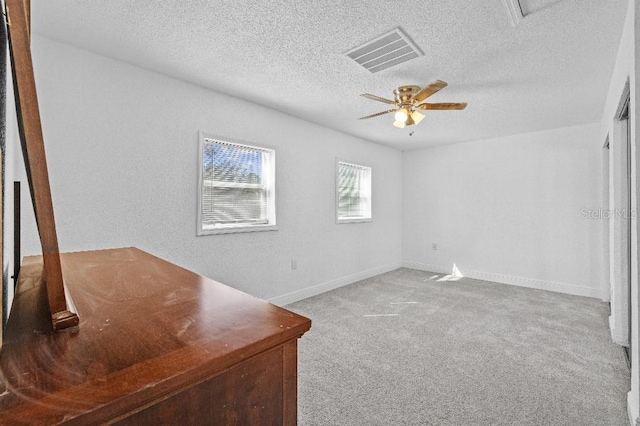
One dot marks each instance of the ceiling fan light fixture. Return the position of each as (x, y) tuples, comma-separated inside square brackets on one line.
[(417, 117), (401, 115), (409, 121), (399, 124)]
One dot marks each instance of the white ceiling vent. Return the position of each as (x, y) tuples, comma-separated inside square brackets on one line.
[(390, 49)]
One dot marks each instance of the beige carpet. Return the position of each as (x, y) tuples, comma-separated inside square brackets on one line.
[(403, 348)]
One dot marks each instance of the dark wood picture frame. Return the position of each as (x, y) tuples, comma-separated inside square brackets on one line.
[(31, 139)]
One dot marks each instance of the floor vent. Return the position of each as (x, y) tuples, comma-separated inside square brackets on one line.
[(386, 51)]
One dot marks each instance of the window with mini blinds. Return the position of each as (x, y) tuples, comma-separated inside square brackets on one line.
[(237, 187), (353, 192)]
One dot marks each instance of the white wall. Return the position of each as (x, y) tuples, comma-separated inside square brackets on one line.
[(122, 147), (510, 210)]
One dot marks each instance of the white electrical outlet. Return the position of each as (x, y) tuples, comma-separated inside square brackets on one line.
[(434, 246), (294, 264)]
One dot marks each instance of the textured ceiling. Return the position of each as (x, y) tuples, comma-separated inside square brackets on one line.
[(552, 70)]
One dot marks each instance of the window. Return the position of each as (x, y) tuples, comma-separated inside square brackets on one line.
[(353, 192), (237, 187)]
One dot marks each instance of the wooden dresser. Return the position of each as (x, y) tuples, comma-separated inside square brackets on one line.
[(156, 344)]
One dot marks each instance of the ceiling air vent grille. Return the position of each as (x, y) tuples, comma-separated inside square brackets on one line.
[(388, 50)]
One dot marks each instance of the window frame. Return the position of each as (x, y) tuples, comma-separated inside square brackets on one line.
[(353, 219), (271, 225)]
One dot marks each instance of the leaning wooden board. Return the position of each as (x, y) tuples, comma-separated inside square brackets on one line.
[(156, 344)]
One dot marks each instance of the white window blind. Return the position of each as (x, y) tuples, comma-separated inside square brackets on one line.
[(353, 192), (237, 186)]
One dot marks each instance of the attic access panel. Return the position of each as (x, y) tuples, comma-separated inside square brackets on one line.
[(533, 6)]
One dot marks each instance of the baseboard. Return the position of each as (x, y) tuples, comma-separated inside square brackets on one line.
[(427, 267), (517, 281), (295, 296), (619, 337)]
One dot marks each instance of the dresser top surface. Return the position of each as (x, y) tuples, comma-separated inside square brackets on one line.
[(146, 326)]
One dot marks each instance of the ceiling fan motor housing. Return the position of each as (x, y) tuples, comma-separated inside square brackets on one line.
[(404, 93)]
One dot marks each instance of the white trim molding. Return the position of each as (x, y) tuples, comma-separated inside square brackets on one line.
[(514, 9), (632, 410), (314, 290), (517, 281), (618, 337), (295, 296), (427, 267), (606, 294)]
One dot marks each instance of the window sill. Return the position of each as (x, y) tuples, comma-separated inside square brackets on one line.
[(236, 229), (354, 220)]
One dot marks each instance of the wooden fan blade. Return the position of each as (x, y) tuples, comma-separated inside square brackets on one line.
[(377, 114), (443, 105), (429, 90), (378, 98)]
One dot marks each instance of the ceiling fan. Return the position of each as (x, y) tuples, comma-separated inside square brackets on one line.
[(407, 102)]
